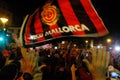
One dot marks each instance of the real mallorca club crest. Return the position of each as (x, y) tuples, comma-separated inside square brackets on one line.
[(50, 14)]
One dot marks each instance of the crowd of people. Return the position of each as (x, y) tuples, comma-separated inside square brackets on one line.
[(64, 63)]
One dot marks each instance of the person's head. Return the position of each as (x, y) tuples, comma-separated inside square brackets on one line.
[(13, 46), (74, 52), (15, 54), (9, 72)]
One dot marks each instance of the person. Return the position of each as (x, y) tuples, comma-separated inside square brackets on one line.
[(2, 60), (10, 71), (98, 66)]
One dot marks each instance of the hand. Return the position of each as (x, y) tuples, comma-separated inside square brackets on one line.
[(29, 61), (16, 39), (99, 64), (73, 69)]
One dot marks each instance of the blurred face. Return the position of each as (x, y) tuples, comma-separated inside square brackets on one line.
[(13, 47), (74, 52)]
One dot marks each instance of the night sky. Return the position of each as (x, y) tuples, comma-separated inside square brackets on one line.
[(108, 10)]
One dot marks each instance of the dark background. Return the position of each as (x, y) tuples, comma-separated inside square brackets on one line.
[(108, 10)]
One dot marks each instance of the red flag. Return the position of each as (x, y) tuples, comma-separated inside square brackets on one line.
[(61, 18)]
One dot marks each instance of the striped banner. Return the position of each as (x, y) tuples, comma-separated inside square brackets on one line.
[(61, 18)]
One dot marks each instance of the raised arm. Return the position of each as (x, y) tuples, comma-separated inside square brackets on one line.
[(73, 69), (98, 66)]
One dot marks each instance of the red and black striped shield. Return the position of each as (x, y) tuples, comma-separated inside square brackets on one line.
[(60, 18)]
